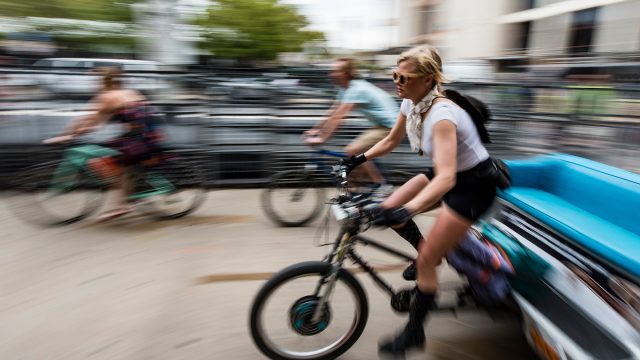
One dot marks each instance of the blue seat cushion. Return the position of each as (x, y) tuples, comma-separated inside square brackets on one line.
[(616, 245), (607, 192)]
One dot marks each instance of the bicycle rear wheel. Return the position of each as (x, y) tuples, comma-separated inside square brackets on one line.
[(55, 193), (281, 318), (293, 198), (171, 190)]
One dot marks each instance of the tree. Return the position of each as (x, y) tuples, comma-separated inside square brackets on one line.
[(254, 29), (99, 10), (78, 24)]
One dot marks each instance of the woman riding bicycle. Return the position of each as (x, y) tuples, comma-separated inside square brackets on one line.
[(140, 138), (442, 130)]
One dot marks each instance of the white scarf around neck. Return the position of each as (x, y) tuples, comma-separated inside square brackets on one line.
[(414, 118)]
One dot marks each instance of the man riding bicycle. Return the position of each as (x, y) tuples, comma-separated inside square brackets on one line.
[(375, 104)]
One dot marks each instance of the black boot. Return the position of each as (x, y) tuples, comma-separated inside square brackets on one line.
[(412, 336), (412, 234), (409, 273)]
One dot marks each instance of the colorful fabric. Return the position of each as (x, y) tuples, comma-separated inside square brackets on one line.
[(484, 266)]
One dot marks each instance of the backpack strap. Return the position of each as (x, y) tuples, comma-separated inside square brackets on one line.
[(476, 109)]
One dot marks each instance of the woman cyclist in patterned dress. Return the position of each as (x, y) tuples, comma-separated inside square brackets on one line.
[(139, 140)]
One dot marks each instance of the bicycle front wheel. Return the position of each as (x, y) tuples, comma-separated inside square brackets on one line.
[(282, 315), (170, 190), (293, 198), (56, 193)]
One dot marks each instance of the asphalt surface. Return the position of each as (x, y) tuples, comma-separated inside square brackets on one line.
[(135, 288)]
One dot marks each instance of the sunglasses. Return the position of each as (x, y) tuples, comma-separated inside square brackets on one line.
[(403, 78)]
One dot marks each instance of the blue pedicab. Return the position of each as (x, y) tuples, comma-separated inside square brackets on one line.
[(570, 228)]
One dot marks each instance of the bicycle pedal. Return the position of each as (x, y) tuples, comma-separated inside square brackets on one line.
[(401, 300)]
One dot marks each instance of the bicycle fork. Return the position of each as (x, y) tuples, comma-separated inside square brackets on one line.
[(341, 251)]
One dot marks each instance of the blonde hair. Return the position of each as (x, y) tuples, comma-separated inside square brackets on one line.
[(427, 61)]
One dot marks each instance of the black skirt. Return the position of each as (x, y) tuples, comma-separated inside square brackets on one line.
[(474, 191)]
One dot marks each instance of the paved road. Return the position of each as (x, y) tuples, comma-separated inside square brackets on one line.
[(138, 289)]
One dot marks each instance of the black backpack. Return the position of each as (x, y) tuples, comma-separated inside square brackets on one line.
[(480, 114), (477, 110)]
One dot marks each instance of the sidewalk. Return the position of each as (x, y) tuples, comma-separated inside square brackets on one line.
[(139, 289)]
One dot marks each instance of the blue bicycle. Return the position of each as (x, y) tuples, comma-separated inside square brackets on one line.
[(298, 196)]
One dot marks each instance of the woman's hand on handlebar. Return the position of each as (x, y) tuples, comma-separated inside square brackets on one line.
[(387, 217), (352, 162)]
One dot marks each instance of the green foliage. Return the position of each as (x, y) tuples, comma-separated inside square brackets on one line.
[(76, 36), (100, 44), (254, 29), (105, 10)]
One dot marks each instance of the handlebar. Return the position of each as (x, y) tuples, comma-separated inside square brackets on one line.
[(340, 172), (350, 210)]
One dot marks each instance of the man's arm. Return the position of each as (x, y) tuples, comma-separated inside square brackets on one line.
[(330, 124), (315, 130)]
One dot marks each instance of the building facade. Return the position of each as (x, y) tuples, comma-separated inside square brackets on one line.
[(467, 29)]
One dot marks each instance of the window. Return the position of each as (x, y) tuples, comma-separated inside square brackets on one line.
[(522, 35), (582, 28)]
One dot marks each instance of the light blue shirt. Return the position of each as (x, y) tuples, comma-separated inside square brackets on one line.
[(375, 104)]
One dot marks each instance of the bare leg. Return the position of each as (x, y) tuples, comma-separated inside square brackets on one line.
[(447, 231), (408, 231), (127, 185), (124, 188), (445, 234)]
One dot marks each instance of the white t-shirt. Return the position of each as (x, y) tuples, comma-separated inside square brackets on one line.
[(470, 149)]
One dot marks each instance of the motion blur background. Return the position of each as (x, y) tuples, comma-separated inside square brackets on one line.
[(238, 80)]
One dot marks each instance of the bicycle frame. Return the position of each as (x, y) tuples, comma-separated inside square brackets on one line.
[(76, 158), (74, 161), (343, 249), (319, 164), (316, 161)]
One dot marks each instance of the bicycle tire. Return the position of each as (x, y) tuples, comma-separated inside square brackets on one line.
[(300, 183), (82, 199), (291, 273), (183, 177)]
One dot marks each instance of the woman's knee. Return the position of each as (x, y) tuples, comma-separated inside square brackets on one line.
[(406, 192), (427, 260)]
